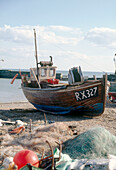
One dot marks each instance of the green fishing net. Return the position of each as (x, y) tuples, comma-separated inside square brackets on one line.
[(94, 143)]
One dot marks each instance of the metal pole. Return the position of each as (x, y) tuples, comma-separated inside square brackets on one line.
[(36, 54)]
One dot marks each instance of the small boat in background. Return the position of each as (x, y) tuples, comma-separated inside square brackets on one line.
[(112, 91), (112, 88), (47, 94)]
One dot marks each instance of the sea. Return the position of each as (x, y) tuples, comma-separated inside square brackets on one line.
[(13, 93)]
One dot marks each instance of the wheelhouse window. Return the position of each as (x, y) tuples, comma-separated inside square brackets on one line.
[(43, 72), (51, 72)]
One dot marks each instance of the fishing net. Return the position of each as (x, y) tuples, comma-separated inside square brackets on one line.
[(94, 143)]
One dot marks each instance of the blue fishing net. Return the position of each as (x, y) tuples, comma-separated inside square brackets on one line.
[(94, 143)]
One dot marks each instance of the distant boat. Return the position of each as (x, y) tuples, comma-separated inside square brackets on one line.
[(112, 91), (112, 88), (47, 94)]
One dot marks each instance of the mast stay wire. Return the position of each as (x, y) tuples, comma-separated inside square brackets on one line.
[(79, 58)]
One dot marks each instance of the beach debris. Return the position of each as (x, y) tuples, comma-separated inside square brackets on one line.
[(51, 121), (6, 122), (9, 164), (46, 162), (112, 162), (79, 164), (7, 161), (74, 129), (20, 123), (19, 127), (1, 124), (24, 157), (49, 161), (17, 122), (37, 141), (47, 121), (18, 130)]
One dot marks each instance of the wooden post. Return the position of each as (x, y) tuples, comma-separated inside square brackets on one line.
[(104, 90), (35, 78), (30, 125), (45, 118), (94, 77)]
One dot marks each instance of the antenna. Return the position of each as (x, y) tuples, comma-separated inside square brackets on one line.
[(115, 63)]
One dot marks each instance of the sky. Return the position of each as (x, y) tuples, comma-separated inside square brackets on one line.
[(75, 32)]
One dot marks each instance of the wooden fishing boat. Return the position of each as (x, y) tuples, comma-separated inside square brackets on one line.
[(88, 97), (47, 94)]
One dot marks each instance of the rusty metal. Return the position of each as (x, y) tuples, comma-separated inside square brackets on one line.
[(51, 149), (60, 146)]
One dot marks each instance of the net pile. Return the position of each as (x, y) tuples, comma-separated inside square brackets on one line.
[(94, 143), (35, 140)]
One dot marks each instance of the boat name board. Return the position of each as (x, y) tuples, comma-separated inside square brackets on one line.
[(85, 94)]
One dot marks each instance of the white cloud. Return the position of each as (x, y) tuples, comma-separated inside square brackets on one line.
[(24, 34), (105, 37), (64, 29), (68, 46), (16, 34)]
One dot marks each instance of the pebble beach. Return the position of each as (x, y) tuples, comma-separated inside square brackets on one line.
[(46, 127)]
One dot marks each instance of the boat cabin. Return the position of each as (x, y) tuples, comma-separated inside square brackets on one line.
[(45, 72), (44, 75)]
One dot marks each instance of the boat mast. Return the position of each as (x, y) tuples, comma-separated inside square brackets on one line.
[(36, 54), (115, 63)]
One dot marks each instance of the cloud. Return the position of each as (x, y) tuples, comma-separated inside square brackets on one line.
[(18, 57), (105, 37), (68, 46), (64, 29), (24, 34), (58, 35), (16, 34)]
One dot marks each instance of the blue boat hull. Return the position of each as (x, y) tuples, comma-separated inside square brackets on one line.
[(98, 109)]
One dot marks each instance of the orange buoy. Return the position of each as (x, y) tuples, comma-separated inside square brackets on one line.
[(14, 78), (24, 157)]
